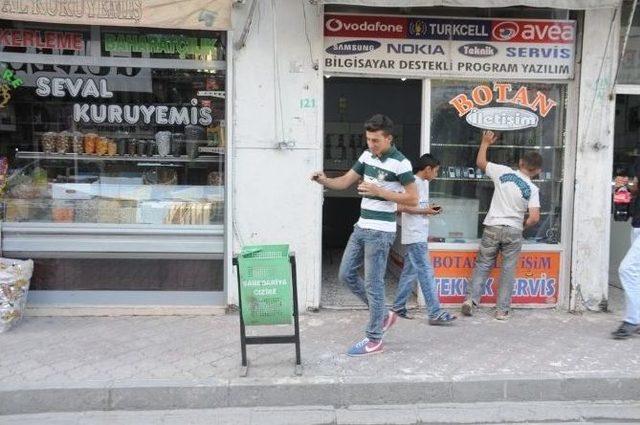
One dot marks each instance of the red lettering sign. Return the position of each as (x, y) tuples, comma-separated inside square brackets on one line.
[(533, 31), (56, 40), (365, 26)]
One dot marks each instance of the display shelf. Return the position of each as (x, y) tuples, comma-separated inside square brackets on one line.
[(117, 158), (476, 146)]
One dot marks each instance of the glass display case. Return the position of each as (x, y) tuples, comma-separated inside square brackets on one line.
[(462, 189)]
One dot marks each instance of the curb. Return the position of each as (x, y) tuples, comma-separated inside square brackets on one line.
[(336, 392)]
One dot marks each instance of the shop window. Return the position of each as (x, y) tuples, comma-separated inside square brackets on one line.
[(629, 67), (462, 189), (114, 145)]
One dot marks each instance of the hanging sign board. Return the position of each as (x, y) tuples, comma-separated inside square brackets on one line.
[(437, 46), (189, 14), (535, 282), (475, 106), (266, 290)]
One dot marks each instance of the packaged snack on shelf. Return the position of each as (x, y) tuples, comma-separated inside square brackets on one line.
[(112, 148), (63, 142), (86, 211), (77, 145), (90, 143), (48, 141), (102, 146), (62, 211)]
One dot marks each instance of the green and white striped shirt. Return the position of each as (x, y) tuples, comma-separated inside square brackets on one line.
[(391, 171)]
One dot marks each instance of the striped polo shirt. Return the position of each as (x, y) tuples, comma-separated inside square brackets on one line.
[(391, 171)]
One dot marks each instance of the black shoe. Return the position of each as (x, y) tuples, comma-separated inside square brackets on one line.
[(626, 330)]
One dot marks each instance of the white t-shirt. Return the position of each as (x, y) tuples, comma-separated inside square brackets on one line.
[(415, 227), (514, 194)]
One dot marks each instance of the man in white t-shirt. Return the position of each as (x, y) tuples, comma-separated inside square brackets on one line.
[(414, 237), (514, 195)]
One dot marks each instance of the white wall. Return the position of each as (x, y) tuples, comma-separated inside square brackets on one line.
[(274, 200), (592, 204)]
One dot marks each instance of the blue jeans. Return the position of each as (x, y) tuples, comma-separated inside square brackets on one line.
[(417, 265), (630, 277), (496, 239), (371, 248)]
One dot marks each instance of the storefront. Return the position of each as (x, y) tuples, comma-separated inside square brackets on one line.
[(443, 75), (160, 230), (113, 123)]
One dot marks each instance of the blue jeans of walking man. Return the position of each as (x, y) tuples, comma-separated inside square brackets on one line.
[(369, 248), (417, 265)]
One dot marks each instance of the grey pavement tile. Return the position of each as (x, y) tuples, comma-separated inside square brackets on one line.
[(379, 415)]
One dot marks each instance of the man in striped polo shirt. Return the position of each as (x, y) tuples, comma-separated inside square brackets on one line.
[(387, 180)]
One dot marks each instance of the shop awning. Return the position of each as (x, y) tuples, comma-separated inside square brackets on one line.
[(182, 14), (555, 4)]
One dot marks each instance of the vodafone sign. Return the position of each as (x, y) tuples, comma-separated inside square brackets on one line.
[(365, 26)]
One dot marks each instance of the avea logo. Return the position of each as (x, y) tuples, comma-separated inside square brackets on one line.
[(353, 47), (505, 31)]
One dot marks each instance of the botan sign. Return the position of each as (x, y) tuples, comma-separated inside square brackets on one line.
[(502, 118)]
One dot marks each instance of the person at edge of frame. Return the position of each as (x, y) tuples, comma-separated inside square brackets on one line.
[(629, 270)]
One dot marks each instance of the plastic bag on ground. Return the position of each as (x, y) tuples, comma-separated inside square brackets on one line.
[(15, 276)]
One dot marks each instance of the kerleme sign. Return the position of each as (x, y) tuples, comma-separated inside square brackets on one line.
[(188, 14), (437, 46), (41, 39)]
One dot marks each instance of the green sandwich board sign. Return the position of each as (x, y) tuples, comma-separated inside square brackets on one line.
[(266, 293)]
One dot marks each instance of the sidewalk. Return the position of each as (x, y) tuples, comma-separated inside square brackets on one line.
[(177, 362)]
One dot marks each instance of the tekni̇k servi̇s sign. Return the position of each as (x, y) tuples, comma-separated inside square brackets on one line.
[(443, 46)]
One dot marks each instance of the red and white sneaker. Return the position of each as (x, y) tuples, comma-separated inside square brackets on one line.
[(389, 320), (365, 347)]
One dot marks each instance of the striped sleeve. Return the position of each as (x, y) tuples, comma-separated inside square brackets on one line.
[(405, 173), (358, 167)]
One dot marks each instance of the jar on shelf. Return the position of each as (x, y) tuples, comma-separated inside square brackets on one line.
[(163, 142), (141, 147), (77, 142), (102, 146), (112, 147), (48, 141), (131, 147), (63, 142), (90, 143)]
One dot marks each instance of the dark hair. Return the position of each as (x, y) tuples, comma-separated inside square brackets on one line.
[(532, 160), (426, 160), (379, 122)]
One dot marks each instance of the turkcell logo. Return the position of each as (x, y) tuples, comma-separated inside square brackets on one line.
[(353, 47), (478, 50)]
